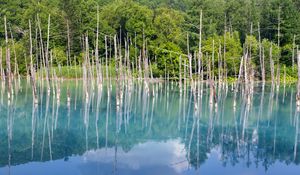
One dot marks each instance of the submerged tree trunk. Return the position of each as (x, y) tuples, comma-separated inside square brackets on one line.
[(213, 60), (1, 66), (42, 51), (106, 62), (99, 72), (261, 57), (8, 68), (116, 57), (293, 53), (32, 71), (16, 69), (241, 69), (47, 56), (220, 63), (263, 67), (180, 78), (189, 57), (272, 67), (298, 89), (200, 46)]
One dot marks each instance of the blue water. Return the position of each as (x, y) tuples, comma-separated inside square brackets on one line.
[(150, 132)]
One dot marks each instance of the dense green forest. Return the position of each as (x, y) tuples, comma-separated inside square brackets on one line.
[(170, 27)]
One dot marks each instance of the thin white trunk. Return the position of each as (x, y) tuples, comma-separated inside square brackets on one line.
[(200, 45), (99, 72), (8, 68), (32, 71), (293, 53), (272, 66)]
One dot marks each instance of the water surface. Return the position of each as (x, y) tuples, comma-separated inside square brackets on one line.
[(159, 131)]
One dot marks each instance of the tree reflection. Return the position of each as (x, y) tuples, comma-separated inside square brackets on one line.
[(256, 128)]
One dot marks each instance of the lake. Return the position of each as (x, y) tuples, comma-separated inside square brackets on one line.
[(149, 130)]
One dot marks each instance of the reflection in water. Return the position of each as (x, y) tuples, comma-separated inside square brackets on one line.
[(140, 128)]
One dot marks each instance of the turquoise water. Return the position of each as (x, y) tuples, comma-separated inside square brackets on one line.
[(159, 132)]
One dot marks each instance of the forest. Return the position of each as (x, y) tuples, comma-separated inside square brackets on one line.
[(266, 30)]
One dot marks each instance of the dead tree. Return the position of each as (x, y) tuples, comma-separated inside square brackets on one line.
[(106, 58), (293, 53), (200, 46), (261, 57), (189, 57), (98, 66), (47, 56), (1, 66), (8, 68), (298, 87), (32, 71), (16, 69), (272, 66)]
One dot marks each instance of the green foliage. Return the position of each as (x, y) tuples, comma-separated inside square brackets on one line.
[(168, 62), (164, 24), (167, 24), (59, 56), (267, 47), (290, 73), (233, 52), (286, 55)]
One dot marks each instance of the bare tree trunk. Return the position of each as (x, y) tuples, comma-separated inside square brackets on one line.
[(278, 29), (272, 66), (284, 76), (241, 69), (184, 75), (151, 73), (298, 89), (89, 66), (208, 70), (16, 71), (27, 69), (69, 63), (47, 56), (278, 77), (127, 60), (69, 44), (261, 57), (32, 71), (116, 57), (189, 57), (298, 65), (213, 60), (106, 60), (219, 63), (224, 51), (1, 66), (8, 68), (180, 78), (263, 66), (84, 69), (120, 57), (37, 52), (140, 66), (99, 75), (200, 46), (246, 69), (293, 53), (42, 48), (278, 44), (145, 59)]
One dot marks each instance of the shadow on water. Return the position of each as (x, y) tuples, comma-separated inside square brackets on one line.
[(123, 129)]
